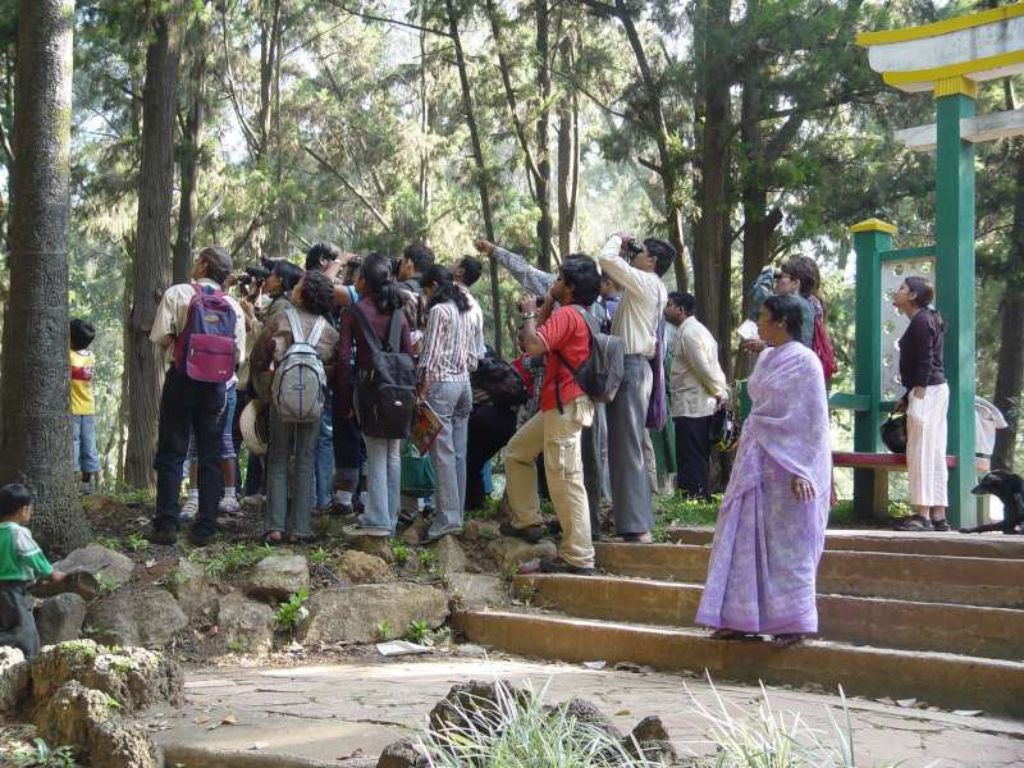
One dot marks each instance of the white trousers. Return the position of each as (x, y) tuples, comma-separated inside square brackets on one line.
[(926, 447)]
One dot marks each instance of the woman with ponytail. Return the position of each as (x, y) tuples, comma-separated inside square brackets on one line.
[(380, 300), (449, 354), (925, 403)]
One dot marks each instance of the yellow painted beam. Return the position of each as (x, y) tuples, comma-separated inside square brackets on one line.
[(874, 225), (939, 28), (961, 70)]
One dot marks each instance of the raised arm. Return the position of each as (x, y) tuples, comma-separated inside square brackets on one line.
[(532, 279)]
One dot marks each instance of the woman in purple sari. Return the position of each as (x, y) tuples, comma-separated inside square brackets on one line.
[(771, 526)]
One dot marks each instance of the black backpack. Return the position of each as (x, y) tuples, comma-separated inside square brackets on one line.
[(386, 392), (600, 375), (502, 383)]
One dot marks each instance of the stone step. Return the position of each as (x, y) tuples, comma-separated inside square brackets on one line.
[(943, 544), (984, 581), (996, 633), (940, 679)]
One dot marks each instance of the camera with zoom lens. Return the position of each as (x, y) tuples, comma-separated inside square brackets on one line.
[(634, 248), (251, 278)]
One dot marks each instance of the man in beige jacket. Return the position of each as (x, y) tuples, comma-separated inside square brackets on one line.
[(697, 390)]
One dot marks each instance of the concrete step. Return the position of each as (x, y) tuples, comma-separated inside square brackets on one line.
[(943, 544), (944, 680), (996, 633), (994, 582)]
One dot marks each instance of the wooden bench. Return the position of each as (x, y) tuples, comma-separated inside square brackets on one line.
[(880, 464), (885, 462)]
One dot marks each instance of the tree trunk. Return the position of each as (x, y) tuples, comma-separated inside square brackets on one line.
[(545, 226), (191, 146), (153, 242), (424, 94), (711, 254), (35, 440), (481, 168), (568, 154), (1010, 374)]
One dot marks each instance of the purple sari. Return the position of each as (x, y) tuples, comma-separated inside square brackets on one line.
[(761, 578)]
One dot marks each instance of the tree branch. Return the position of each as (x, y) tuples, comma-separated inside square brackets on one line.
[(322, 161), (386, 20)]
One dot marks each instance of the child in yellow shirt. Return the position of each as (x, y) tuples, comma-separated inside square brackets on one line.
[(84, 455)]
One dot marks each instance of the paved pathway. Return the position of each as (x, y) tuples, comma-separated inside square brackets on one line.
[(344, 714)]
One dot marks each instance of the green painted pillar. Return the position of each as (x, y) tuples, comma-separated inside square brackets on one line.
[(870, 238), (954, 235)]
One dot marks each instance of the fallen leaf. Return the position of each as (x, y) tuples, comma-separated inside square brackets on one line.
[(967, 712), (229, 720), (201, 720), (257, 745), (150, 563), (350, 755), (623, 713), (906, 703), (595, 664)]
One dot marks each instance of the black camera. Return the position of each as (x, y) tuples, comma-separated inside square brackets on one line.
[(633, 247), (251, 278)]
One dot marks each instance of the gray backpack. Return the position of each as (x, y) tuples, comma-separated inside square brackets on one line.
[(300, 382)]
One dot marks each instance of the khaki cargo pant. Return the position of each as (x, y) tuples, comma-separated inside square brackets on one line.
[(558, 436)]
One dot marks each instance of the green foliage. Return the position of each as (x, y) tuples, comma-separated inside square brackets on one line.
[(418, 631), (521, 730), (110, 542), (384, 630), (137, 542), (321, 556), (42, 755), (220, 561), (401, 551), (288, 613), (428, 559)]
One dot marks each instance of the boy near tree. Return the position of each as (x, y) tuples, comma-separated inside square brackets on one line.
[(84, 456), (21, 563)]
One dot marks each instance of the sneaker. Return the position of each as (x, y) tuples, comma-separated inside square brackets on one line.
[(229, 506), (190, 508), (560, 566), (363, 530), (200, 538), (164, 536), (915, 523), (940, 525), (531, 533)]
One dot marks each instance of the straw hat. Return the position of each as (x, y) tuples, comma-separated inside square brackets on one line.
[(255, 426)]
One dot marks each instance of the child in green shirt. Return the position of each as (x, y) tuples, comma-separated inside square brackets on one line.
[(21, 563)]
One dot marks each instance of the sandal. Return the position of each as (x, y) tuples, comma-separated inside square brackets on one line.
[(914, 523), (300, 538), (734, 634), (637, 538), (940, 526), (273, 538), (787, 640)]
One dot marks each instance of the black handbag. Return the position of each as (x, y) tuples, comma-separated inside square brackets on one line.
[(894, 432)]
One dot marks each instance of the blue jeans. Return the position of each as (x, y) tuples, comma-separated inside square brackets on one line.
[(383, 483), (452, 401), (290, 511), (323, 462), (84, 456)]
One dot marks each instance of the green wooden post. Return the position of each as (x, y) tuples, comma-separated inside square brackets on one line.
[(954, 275), (870, 238)]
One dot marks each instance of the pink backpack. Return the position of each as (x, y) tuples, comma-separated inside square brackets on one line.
[(205, 349)]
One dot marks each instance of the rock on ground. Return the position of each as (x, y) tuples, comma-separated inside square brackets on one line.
[(583, 711), (146, 616), (277, 577), (481, 530), (60, 618), (475, 590), (361, 568), (654, 742), (111, 569), (459, 709), (450, 557), (353, 614), (134, 677), (414, 533), (193, 591), (405, 753), (85, 718), (246, 625), (15, 672), (373, 545), (508, 551)]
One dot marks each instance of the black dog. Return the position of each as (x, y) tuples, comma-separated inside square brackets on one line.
[(1009, 489)]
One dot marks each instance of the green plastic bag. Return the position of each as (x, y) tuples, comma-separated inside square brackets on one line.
[(418, 476)]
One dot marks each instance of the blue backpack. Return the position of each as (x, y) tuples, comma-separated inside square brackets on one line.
[(205, 349)]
